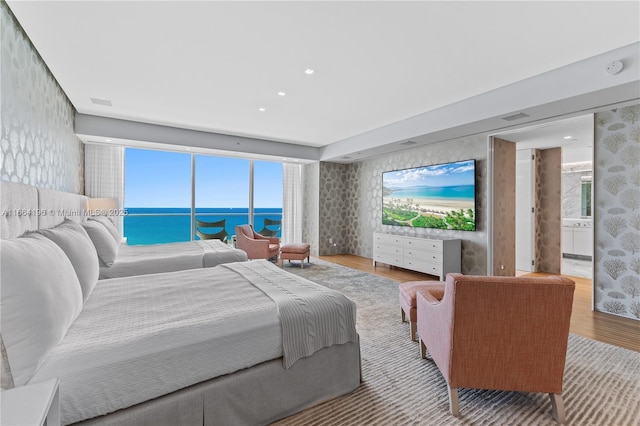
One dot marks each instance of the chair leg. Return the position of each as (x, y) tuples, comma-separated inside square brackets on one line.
[(423, 350), (403, 315), (414, 326), (557, 407), (453, 401), (302, 264)]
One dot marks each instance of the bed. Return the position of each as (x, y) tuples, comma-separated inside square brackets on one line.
[(48, 208), (148, 259), (240, 343)]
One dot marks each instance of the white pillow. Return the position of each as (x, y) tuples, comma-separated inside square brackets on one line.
[(104, 243), (106, 222), (76, 244), (40, 299)]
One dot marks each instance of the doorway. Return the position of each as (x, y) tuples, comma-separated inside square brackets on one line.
[(572, 253)]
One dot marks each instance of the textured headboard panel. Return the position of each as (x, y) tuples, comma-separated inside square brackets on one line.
[(59, 205), (25, 208), (18, 209)]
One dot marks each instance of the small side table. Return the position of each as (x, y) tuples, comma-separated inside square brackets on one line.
[(32, 404)]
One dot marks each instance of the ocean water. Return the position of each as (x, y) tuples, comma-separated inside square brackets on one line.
[(461, 192), (169, 225)]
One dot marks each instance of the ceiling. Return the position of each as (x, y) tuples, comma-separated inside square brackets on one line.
[(573, 135), (211, 66)]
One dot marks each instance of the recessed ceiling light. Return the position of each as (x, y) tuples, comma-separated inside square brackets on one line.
[(281, 93), (567, 137), (103, 102), (517, 116), (261, 109), (107, 140), (309, 71)]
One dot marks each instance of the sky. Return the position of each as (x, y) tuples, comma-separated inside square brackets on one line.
[(449, 174), (163, 179)]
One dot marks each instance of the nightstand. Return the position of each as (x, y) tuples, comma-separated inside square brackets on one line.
[(32, 404)]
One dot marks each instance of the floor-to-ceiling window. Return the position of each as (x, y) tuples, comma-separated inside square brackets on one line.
[(158, 194), (267, 198), (222, 190)]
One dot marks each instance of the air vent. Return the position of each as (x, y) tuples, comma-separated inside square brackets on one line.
[(514, 117), (407, 143), (104, 102), (346, 157)]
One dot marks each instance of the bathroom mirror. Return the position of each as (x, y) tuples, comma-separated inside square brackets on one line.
[(585, 196)]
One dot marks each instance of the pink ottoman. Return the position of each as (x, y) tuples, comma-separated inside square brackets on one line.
[(295, 251), (408, 305)]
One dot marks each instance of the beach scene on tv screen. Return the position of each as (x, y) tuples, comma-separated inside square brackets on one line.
[(440, 196)]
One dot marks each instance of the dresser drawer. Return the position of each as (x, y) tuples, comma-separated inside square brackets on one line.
[(387, 239), (388, 249), (423, 255), (423, 244), (389, 259), (422, 266)]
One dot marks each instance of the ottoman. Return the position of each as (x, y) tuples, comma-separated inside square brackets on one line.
[(408, 306), (295, 251)]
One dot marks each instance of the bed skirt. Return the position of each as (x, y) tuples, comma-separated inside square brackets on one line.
[(254, 396)]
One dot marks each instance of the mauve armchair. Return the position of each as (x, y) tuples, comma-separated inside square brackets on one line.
[(501, 333), (256, 245)]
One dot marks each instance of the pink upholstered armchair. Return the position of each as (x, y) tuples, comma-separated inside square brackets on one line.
[(502, 333), (256, 246)]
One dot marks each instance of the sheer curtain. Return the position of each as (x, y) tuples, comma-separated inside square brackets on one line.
[(104, 175), (292, 203)]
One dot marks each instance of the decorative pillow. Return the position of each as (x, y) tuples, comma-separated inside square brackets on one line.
[(40, 299), (109, 225), (104, 243), (76, 244)]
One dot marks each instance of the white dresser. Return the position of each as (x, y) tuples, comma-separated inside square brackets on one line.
[(429, 255)]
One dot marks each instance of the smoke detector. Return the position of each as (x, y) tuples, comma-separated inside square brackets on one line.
[(614, 67)]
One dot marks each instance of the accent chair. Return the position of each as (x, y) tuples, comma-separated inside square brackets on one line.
[(255, 245), (500, 333)]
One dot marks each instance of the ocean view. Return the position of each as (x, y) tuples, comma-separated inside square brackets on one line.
[(459, 192), (168, 225)]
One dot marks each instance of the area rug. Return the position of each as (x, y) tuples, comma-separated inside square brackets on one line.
[(601, 382)]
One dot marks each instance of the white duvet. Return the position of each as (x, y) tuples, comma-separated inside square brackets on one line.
[(138, 338), (155, 258)]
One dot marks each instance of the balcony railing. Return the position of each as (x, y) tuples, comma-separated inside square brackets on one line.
[(155, 226)]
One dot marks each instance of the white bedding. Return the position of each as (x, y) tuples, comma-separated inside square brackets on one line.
[(138, 338), (155, 258)]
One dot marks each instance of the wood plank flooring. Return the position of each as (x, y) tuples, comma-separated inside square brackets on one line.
[(612, 329)]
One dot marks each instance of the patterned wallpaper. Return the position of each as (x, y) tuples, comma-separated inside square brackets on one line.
[(38, 145), (350, 208), (334, 212), (504, 202), (548, 199), (617, 211)]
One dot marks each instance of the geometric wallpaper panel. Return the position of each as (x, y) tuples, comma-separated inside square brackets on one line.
[(38, 145), (617, 211)]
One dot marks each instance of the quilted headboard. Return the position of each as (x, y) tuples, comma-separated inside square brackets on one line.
[(25, 208)]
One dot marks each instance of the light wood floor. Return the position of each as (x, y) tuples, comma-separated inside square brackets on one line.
[(612, 329)]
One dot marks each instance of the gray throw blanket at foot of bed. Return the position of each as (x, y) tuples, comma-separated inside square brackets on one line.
[(311, 316)]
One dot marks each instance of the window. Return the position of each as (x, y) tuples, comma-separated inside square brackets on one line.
[(222, 190), (158, 190), (157, 196), (267, 198)]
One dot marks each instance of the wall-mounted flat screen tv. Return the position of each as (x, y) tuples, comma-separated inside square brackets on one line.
[(440, 196)]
